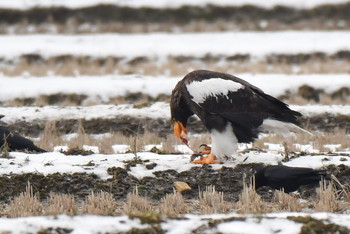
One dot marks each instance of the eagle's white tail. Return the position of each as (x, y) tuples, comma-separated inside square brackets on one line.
[(279, 127)]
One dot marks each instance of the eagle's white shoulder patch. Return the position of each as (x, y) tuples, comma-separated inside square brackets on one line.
[(200, 90)]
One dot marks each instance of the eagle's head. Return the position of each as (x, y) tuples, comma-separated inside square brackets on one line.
[(179, 112)]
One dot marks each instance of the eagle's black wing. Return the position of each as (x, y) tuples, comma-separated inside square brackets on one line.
[(227, 98)]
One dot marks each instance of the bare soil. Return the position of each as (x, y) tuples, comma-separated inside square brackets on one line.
[(227, 180), (131, 126), (71, 65), (110, 18)]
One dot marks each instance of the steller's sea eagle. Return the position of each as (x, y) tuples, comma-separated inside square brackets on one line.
[(233, 111), (288, 178)]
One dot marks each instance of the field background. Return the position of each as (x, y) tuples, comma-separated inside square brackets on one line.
[(90, 81)]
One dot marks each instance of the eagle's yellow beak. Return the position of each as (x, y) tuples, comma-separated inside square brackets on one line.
[(179, 128)]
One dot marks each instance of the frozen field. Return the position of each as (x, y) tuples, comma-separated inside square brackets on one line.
[(106, 87), (229, 223), (96, 83), (25, 4), (158, 110), (162, 45)]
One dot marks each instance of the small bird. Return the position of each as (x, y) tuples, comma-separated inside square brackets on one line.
[(288, 178), (232, 110), (16, 142)]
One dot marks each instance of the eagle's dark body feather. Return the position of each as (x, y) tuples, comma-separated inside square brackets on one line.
[(245, 107), (16, 142), (288, 178)]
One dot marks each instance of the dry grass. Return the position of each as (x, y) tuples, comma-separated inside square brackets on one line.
[(195, 141), (211, 201), (50, 136), (286, 202), (138, 142), (135, 204), (249, 200), (170, 67), (72, 26), (317, 141), (61, 204), (101, 203), (327, 199), (105, 143), (81, 139), (26, 204), (169, 143), (172, 205)]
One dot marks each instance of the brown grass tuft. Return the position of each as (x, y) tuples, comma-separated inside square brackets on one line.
[(172, 205), (211, 201), (81, 139), (249, 200), (316, 142), (135, 204), (327, 200), (60, 204), (285, 201), (170, 67), (101, 203), (138, 141), (169, 143), (26, 204), (50, 136)]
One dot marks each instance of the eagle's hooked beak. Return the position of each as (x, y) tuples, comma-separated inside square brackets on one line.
[(179, 128)]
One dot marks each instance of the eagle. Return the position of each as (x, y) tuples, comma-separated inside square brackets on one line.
[(288, 178), (233, 110), (16, 142)]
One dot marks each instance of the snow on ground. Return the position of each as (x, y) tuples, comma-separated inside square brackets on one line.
[(231, 223), (103, 88), (315, 110), (26, 4), (52, 162), (159, 110), (161, 45)]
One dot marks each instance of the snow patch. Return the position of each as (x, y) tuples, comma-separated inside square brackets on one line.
[(163, 45)]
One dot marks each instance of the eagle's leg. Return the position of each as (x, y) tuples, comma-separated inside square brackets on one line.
[(207, 149), (207, 160)]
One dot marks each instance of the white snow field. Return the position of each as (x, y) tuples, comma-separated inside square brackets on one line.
[(52, 162), (265, 223), (105, 87), (158, 47), (26, 4), (162, 45), (158, 110)]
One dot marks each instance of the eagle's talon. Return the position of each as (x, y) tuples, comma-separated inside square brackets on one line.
[(207, 160), (195, 155), (207, 149)]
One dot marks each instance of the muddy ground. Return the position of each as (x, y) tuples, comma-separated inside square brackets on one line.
[(130, 126), (227, 180)]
